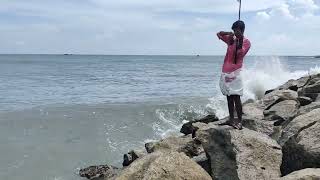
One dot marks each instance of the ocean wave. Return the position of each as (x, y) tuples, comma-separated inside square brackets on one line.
[(171, 118), (265, 74), (268, 73)]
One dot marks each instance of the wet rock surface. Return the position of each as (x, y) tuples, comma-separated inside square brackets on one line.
[(244, 154), (99, 172), (164, 165), (188, 127)]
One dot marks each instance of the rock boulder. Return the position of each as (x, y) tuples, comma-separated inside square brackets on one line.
[(186, 144), (314, 88), (253, 110), (284, 110), (308, 108), (295, 84), (132, 156), (304, 100), (164, 166), (305, 174), (298, 124), (242, 155), (188, 127), (203, 161), (302, 150), (277, 96), (96, 172), (262, 126)]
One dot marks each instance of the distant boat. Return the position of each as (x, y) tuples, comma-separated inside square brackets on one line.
[(67, 54), (198, 55), (317, 57)]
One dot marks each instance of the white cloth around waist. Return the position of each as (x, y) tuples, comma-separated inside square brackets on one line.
[(231, 83)]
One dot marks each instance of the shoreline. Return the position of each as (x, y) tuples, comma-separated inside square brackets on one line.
[(272, 125)]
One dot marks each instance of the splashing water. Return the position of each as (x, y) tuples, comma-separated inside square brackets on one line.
[(265, 74), (314, 70), (218, 105), (170, 119)]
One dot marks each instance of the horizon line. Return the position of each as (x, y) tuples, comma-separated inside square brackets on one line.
[(80, 54)]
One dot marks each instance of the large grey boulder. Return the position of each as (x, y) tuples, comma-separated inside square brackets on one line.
[(277, 96), (254, 119), (295, 84), (242, 155), (203, 125), (253, 110), (302, 150), (188, 127), (312, 96), (299, 83), (99, 172), (284, 110), (314, 88), (199, 125), (308, 108), (203, 161), (164, 166), (262, 126), (298, 124), (292, 84), (132, 156), (304, 100), (305, 174), (314, 78), (186, 144), (310, 80)]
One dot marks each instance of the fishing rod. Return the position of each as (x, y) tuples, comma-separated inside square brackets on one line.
[(238, 44), (239, 9)]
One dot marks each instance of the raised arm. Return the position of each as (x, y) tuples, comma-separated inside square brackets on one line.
[(225, 36), (246, 46)]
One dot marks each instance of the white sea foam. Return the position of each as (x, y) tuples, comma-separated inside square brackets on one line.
[(170, 119), (217, 105), (267, 73), (314, 70)]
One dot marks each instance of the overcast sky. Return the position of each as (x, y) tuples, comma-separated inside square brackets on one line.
[(275, 27)]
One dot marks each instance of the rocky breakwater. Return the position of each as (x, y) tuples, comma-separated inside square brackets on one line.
[(280, 140)]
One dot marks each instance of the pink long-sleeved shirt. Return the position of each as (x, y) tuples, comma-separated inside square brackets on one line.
[(228, 65)]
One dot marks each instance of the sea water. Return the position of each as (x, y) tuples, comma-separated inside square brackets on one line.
[(60, 113)]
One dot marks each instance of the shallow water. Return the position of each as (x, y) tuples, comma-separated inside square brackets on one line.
[(61, 113)]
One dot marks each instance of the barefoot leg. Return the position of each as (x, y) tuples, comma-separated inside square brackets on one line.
[(239, 110), (231, 107)]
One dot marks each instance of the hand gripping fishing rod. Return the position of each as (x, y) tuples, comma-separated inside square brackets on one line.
[(238, 43)]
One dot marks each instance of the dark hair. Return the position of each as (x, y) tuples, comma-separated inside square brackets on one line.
[(239, 24)]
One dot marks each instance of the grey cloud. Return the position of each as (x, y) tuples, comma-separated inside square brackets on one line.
[(141, 26)]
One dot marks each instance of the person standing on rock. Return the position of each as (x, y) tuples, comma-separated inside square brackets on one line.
[(230, 81)]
